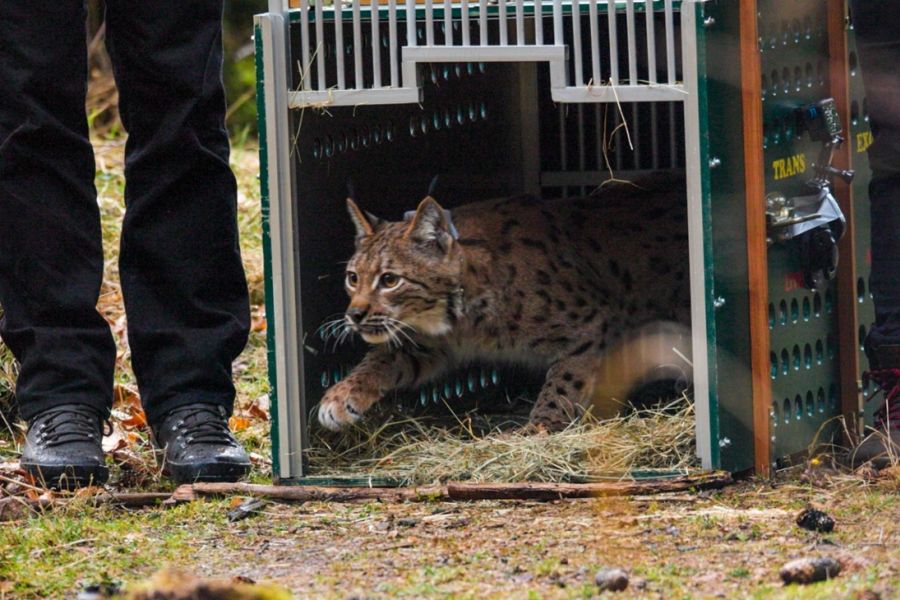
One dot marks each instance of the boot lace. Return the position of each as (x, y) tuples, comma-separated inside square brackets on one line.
[(67, 424), (888, 380), (204, 425)]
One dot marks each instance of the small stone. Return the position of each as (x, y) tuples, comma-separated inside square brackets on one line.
[(809, 570), (814, 519), (611, 580), (407, 522)]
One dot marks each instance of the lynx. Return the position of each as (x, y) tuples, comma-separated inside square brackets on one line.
[(547, 284)]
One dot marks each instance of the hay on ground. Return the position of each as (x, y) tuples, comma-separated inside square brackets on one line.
[(421, 451)]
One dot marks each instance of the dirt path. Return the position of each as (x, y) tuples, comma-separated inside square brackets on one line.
[(726, 544)]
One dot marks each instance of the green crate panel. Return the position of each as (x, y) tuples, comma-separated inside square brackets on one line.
[(803, 324), (859, 138)]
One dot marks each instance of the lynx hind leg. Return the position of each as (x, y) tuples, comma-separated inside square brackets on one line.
[(565, 393)]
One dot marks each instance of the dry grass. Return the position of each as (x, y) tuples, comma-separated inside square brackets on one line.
[(8, 370), (419, 451)]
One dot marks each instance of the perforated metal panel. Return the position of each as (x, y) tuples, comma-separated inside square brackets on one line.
[(802, 323)]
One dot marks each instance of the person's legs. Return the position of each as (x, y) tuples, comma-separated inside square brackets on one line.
[(180, 265), (51, 256), (183, 282), (877, 26)]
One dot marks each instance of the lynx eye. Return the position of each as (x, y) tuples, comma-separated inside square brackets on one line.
[(352, 279), (389, 281)]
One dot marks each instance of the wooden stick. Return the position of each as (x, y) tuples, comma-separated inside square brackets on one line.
[(457, 491), (16, 507), (554, 491), (313, 493)]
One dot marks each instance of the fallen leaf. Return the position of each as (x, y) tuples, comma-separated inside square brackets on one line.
[(259, 408), (11, 468), (258, 324), (126, 396), (257, 413), (137, 420), (89, 491), (114, 442), (892, 472), (237, 423), (14, 509), (259, 459)]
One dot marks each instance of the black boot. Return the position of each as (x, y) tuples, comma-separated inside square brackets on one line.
[(882, 446), (62, 448), (198, 446)]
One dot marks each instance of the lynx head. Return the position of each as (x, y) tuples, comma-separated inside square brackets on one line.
[(405, 277)]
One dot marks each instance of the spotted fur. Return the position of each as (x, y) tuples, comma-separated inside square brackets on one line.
[(550, 284)]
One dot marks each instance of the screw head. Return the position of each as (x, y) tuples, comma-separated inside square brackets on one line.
[(714, 162), (718, 302), (709, 21), (725, 442)]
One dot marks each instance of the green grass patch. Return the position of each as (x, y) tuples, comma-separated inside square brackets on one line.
[(51, 555)]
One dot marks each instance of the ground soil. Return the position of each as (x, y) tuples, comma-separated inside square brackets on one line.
[(725, 544)]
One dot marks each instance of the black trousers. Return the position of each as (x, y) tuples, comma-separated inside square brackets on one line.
[(877, 25), (182, 279)]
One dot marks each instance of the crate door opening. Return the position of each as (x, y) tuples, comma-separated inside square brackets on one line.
[(491, 131)]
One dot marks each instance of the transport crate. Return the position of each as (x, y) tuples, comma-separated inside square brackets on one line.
[(509, 97)]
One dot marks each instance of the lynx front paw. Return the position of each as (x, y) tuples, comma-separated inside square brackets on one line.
[(343, 405)]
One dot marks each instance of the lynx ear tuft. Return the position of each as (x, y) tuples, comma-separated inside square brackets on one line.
[(430, 225), (364, 222)]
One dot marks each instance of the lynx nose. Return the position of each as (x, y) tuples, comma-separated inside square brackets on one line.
[(356, 314)]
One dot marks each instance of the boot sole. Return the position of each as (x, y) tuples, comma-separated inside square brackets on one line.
[(67, 477), (210, 472)]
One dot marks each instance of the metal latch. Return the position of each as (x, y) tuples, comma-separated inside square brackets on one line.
[(815, 220)]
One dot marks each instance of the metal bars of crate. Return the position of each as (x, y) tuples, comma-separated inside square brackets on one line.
[(597, 50)]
